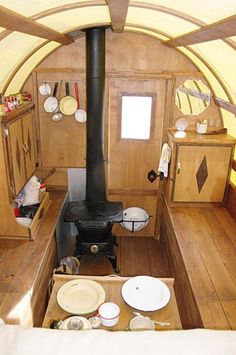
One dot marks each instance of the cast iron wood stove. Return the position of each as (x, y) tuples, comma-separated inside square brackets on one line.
[(95, 216), (94, 223)]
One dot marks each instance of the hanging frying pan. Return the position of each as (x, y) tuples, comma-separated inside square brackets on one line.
[(68, 104), (80, 115), (51, 103), (57, 115)]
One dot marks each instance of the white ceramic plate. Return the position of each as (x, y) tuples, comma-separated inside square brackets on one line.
[(181, 124), (86, 324), (80, 296), (50, 104), (145, 293)]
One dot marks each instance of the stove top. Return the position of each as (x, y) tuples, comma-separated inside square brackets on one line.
[(97, 211)]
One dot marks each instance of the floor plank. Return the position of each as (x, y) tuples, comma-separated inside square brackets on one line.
[(135, 256)]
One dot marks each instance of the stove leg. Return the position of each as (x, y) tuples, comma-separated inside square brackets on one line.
[(114, 240), (113, 260)]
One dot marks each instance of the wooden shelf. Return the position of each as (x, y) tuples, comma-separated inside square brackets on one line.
[(193, 137), (11, 116)]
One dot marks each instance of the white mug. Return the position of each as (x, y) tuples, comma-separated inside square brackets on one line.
[(202, 127), (109, 313), (141, 323)]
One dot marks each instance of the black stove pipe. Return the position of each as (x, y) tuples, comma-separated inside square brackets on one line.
[(95, 81)]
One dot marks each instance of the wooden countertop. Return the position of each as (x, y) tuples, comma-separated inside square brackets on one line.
[(21, 263), (193, 137)]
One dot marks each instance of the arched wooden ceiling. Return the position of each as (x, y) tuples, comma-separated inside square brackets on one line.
[(204, 31)]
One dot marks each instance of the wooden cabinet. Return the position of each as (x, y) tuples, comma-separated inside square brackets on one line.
[(18, 162), (200, 167), (20, 151)]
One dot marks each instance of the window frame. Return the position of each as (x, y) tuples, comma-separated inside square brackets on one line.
[(152, 118)]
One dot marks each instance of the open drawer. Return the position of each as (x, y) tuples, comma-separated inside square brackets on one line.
[(11, 229), (44, 203)]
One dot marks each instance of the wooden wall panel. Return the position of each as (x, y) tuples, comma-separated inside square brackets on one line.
[(130, 161), (63, 144), (211, 113)]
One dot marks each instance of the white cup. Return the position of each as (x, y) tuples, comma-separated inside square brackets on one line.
[(109, 314), (201, 127)]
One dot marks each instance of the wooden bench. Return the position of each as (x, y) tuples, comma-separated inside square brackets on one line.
[(201, 246), (25, 270)]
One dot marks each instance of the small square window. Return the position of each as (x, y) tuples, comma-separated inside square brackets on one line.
[(136, 113)]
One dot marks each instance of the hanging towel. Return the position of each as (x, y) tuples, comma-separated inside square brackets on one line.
[(165, 159)]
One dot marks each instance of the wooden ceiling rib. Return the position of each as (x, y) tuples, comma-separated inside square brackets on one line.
[(118, 12), (15, 22), (217, 30), (228, 106)]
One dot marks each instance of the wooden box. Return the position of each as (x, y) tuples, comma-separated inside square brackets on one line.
[(44, 203), (11, 229)]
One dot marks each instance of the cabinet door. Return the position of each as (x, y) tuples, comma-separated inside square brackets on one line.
[(16, 156), (28, 144), (201, 173)]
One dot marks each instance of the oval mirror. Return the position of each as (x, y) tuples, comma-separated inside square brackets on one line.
[(193, 97)]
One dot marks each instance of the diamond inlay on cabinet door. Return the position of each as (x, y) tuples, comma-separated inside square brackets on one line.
[(202, 174)]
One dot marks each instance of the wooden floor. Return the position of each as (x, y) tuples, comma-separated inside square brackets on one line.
[(135, 256)]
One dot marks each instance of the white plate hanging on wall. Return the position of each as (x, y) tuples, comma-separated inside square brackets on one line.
[(51, 103)]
